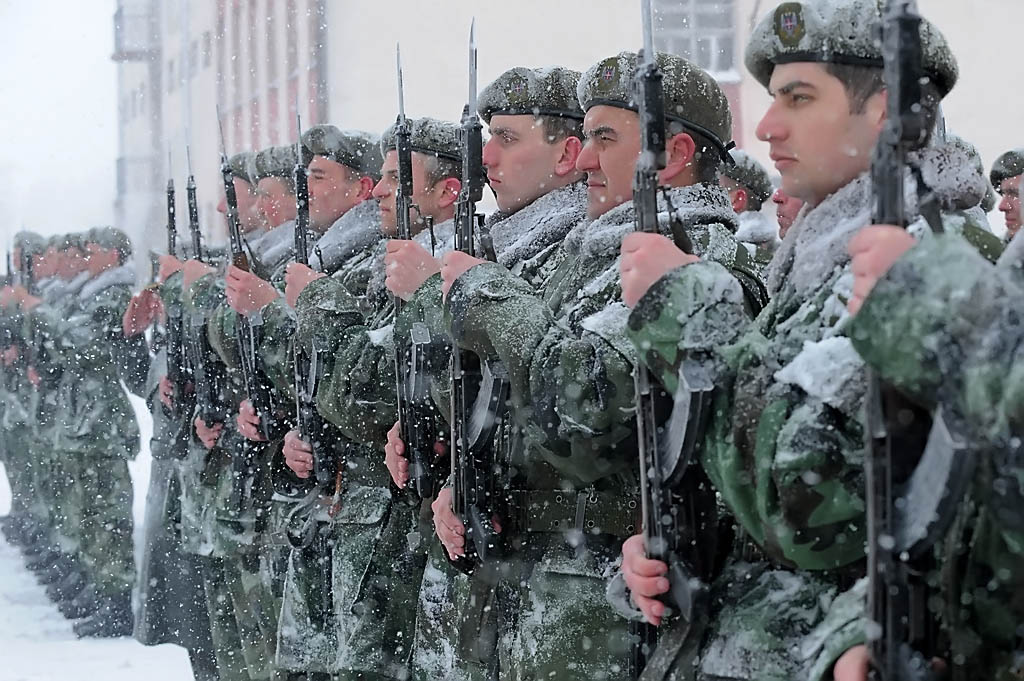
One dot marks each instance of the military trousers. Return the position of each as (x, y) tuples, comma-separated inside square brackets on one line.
[(102, 501)]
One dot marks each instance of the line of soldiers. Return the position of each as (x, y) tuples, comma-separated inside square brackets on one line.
[(503, 532), (68, 427)]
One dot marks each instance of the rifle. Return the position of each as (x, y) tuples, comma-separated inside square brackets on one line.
[(474, 482), (906, 515), (246, 341), (209, 377), (327, 458), (178, 371), (415, 410), (670, 515)]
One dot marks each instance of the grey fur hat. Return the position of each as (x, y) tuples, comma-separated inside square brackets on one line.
[(833, 32), (1010, 164), (273, 162), (239, 165), (354, 149), (541, 92), (429, 136), (746, 171), (30, 243), (692, 97), (110, 237)]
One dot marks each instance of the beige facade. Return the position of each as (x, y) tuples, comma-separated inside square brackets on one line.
[(254, 58)]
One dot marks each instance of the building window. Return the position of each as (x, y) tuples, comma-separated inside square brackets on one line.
[(271, 36), (703, 31), (207, 49)]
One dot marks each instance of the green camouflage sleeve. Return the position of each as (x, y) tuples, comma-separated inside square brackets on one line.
[(941, 326), (573, 393), (357, 391), (688, 315)]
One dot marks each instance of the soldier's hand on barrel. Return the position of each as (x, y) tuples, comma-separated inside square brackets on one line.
[(143, 309), (449, 528), (296, 278), (298, 454), (167, 392), (394, 457), (208, 434), (168, 266), (647, 579), (646, 258), (453, 265), (249, 422), (874, 250), (194, 270), (408, 265), (246, 293)]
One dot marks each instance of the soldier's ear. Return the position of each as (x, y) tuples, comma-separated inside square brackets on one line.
[(450, 188), (571, 148), (679, 156), (739, 199), (366, 185)]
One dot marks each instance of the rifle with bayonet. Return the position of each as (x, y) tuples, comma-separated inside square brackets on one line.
[(328, 449), (668, 427), (906, 513), (246, 341), (479, 389), (178, 371), (207, 373), (416, 413)]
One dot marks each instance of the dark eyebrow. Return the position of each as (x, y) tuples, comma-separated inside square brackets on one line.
[(502, 131), (789, 87), (602, 130)]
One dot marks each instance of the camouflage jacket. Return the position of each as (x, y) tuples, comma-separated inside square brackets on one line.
[(565, 347), (86, 338), (785, 444), (217, 516), (353, 335), (942, 327)]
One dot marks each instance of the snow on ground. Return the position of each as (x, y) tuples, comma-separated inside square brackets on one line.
[(38, 644)]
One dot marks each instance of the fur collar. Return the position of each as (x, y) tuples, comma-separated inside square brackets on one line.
[(356, 230), (115, 276), (522, 235)]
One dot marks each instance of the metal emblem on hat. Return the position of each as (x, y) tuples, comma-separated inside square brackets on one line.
[(609, 74), (789, 23)]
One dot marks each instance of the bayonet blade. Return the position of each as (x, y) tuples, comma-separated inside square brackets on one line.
[(648, 20), (401, 83), (472, 67)]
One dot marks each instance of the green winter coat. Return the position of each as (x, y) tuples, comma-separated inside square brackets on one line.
[(943, 326), (570, 364), (785, 445)]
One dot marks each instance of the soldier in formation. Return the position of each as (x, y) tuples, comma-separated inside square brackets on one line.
[(396, 440)]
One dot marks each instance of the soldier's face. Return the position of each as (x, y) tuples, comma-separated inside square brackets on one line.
[(609, 157), (786, 208), (72, 263), (99, 259), (817, 144), (276, 202), (433, 201), (333, 191), (520, 161), (1009, 189), (249, 217)]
